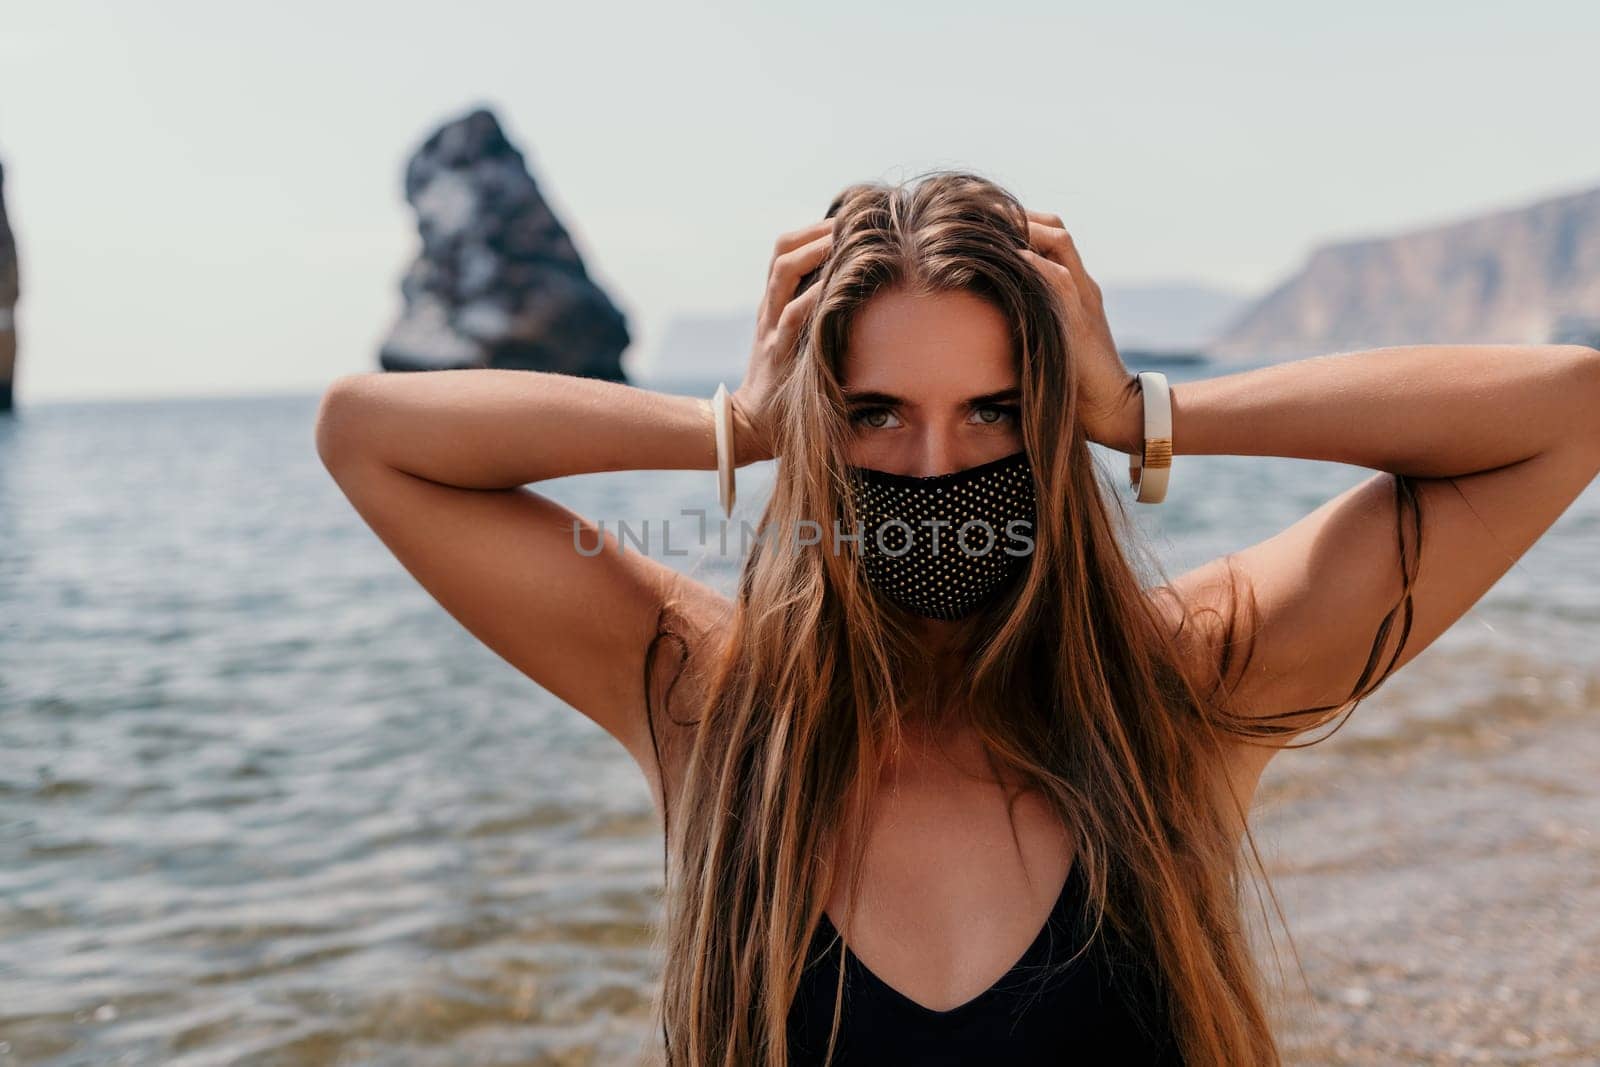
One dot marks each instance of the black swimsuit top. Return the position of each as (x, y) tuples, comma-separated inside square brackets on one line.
[(1100, 1008)]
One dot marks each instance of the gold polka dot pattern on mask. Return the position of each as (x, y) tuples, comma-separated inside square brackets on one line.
[(943, 546)]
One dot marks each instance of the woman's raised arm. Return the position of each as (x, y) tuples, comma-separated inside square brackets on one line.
[(1496, 440), (498, 429), (435, 462)]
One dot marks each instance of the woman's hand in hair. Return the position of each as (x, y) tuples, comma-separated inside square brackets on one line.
[(1109, 401), (778, 322)]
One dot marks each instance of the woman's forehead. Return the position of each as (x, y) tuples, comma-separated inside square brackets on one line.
[(929, 345)]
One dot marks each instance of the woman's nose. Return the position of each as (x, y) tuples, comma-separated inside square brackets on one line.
[(936, 456)]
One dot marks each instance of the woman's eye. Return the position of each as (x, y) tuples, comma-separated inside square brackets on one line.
[(996, 414), (870, 417)]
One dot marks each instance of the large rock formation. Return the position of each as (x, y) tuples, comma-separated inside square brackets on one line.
[(10, 289), (1518, 276), (497, 282)]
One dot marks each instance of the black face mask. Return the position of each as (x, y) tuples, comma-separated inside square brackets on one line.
[(944, 546)]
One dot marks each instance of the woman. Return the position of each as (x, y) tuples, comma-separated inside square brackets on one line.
[(1020, 796)]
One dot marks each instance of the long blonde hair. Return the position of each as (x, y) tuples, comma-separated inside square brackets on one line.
[(1070, 680)]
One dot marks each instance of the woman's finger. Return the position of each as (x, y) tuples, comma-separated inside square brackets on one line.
[(1058, 245), (787, 270), (793, 314), (1057, 272), (788, 242), (1056, 242), (1048, 234)]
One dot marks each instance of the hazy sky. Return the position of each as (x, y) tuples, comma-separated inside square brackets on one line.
[(207, 197)]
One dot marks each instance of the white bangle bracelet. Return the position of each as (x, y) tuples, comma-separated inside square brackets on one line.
[(1148, 471), (722, 427)]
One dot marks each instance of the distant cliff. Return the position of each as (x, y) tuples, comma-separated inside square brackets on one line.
[(1516, 276), (9, 291), (497, 281)]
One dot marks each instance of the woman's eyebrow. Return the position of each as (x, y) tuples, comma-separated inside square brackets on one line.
[(873, 396)]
